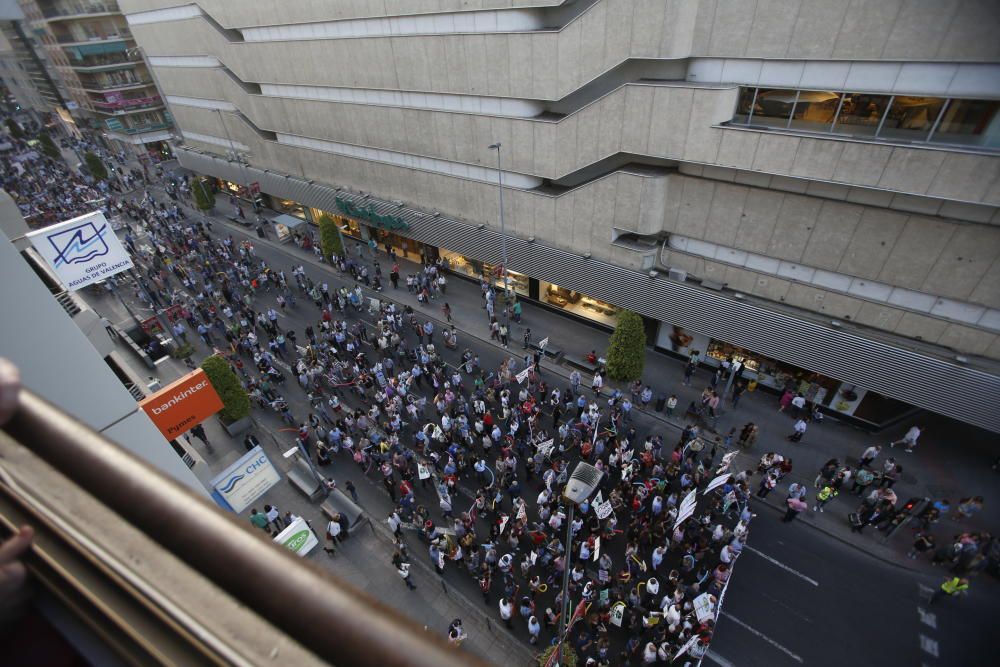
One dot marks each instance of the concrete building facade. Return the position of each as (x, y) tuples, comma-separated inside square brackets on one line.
[(809, 186), (109, 87)]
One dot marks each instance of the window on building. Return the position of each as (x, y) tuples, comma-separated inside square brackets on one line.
[(815, 110), (971, 122), (911, 118), (773, 107), (744, 106), (861, 113)]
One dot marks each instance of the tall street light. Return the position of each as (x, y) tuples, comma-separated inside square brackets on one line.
[(582, 483), (503, 241)]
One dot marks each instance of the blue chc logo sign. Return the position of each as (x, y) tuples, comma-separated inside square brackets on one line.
[(246, 480), (79, 244)]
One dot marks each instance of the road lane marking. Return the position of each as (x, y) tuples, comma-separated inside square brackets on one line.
[(718, 659), (928, 645), (781, 565), (761, 635), (927, 618)]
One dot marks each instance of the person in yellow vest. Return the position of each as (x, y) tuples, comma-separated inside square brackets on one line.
[(952, 587), (825, 495)]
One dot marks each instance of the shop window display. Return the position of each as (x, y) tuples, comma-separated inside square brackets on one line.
[(474, 268), (577, 303)]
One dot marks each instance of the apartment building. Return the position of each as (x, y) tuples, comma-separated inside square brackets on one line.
[(811, 187), (109, 87)]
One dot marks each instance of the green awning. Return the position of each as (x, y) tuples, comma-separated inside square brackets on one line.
[(79, 52)]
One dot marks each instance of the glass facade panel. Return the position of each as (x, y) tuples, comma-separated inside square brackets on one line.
[(773, 107), (861, 113), (475, 268), (577, 303), (815, 110), (911, 118), (744, 106), (969, 122)]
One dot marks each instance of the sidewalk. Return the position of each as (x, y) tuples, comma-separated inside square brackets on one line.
[(938, 469)]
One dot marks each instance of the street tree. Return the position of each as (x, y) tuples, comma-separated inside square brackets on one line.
[(627, 348), (329, 237), (48, 146), (203, 199), (95, 167), (235, 400)]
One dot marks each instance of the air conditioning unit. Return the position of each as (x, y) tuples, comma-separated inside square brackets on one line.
[(678, 275)]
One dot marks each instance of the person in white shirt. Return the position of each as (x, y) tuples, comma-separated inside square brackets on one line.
[(909, 440), (506, 611)]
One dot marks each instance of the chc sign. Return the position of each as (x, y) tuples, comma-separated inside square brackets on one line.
[(239, 485), (182, 404)]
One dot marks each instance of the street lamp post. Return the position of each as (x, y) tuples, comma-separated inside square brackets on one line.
[(503, 241), (582, 483)]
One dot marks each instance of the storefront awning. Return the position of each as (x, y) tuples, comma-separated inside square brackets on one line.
[(908, 375), (289, 221)]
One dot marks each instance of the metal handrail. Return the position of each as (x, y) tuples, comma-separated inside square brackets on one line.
[(335, 621)]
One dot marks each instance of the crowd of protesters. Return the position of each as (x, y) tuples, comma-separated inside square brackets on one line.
[(473, 457)]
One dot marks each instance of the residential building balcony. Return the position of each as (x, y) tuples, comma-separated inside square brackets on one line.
[(127, 106), (74, 40), (68, 11), (102, 86), (104, 63)]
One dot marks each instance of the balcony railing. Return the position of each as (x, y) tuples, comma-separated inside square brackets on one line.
[(297, 606), (117, 85), (120, 35), (65, 10), (140, 129)]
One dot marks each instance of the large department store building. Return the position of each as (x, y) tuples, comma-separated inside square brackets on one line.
[(810, 186)]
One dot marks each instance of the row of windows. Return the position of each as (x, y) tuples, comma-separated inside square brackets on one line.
[(938, 120)]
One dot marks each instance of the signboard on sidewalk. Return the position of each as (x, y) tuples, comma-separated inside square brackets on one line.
[(82, 251), (297, 537), (182, 404), (245, 481)]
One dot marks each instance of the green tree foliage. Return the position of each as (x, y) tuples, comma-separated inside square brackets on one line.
[(15, 129), (567, 659), (203, 198), (95, 166), (235, 401), (329, 237), (48, 146), (627, 349)]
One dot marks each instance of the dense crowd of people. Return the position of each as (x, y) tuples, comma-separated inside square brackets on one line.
[(473, 457)]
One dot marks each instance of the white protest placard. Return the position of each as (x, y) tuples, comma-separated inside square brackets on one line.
[(627, 455), (522, 513), (503, 522), (82, 251), (704, 607), (617, 613), (523, 375), (683, 515), (604, 510), (533, 556), (543, 342), (423, 472), (545, 448), (726, 460), (297, 537), (597, 548), (687, 647), (717, 482), (690, 500), (598, 499)]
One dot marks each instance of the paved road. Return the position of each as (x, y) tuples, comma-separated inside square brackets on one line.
[(798, 596), (801, 597)]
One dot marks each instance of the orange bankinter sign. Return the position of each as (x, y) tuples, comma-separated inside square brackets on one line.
[(182, 404)]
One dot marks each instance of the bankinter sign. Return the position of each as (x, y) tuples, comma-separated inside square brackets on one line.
[(182, 404)]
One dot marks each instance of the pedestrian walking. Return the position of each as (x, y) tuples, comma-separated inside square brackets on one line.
[(794, 507), (909, 441), (259, 519), (869, 455), (798, 431), (403, 570), (953, 587), (198, 431), (825, 495), (923, 543)]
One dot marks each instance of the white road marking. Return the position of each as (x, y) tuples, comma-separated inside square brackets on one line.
[(927, 618), (928, 645), (718, 659), (761, 635), (781, 565)]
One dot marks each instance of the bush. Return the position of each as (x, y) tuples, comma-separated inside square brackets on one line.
[(182, 351), (235, 401), (329, 237), (48, 146), (15, 129), (203, 197), (95, 167), (627, 349), (568, 658)]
